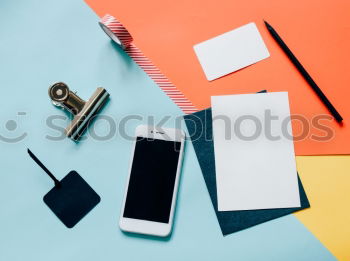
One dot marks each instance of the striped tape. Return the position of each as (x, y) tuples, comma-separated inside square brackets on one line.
[(118, 33)]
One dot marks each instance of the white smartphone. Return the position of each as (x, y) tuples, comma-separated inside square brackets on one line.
[(152, 185)]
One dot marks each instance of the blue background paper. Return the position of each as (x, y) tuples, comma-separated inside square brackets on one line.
[(47, 41)]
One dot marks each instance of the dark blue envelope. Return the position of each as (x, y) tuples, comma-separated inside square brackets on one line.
[(199, 125)]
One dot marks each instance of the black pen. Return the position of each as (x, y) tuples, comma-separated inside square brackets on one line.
[(304, 73)]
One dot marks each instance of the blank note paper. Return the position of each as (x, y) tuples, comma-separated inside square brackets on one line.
[(254, 152), (231, 51)]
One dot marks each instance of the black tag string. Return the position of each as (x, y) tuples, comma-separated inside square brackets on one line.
[(57, 182)]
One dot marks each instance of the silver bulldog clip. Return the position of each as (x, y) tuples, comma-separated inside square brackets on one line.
[(83, 111)]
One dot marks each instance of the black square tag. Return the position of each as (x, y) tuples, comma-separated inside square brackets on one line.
[(72, 200)]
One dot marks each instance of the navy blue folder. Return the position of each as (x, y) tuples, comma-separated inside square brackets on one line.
[(199, 125)]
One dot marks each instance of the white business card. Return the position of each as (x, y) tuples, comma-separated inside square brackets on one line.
[(231, 51)]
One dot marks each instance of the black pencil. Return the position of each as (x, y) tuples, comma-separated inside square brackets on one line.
[(304, 73)]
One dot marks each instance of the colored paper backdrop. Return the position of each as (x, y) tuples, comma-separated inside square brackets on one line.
[(327, 181), (59, 40), (317, 32)]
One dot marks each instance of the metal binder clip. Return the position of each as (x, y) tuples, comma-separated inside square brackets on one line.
[(83, 111)]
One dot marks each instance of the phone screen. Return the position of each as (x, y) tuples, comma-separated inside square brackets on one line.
[(152, 180)]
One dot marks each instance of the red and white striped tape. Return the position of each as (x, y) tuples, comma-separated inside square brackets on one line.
[(118, 33)]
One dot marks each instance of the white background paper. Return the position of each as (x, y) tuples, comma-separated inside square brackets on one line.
[(231, 51), (259, 173)]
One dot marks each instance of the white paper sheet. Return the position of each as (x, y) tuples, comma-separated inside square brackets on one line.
[(231, 51), (255, 167)]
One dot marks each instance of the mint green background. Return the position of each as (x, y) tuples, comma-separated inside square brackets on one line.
[(47, 41)]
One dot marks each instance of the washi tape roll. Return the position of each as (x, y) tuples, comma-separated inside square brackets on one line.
[(118, 33)]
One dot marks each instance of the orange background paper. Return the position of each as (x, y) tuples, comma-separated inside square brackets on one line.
[(318, 32)]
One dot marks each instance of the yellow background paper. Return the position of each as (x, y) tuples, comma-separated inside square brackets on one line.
[(326, 180)]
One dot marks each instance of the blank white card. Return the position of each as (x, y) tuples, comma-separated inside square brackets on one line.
[(254, 152), (231, 51)]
